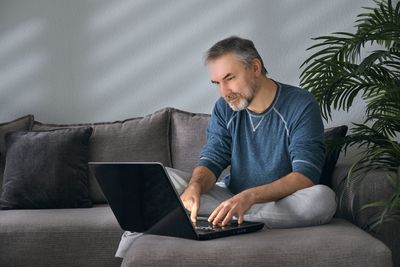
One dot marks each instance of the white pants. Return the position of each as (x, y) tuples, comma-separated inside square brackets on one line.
[(307, 207)]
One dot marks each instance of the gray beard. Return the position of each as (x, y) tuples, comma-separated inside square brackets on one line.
[(244, 102)]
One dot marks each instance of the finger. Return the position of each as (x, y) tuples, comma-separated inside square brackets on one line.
[(221, 215), (228, 217), (214, 213), (186, 203), (194, 211), (240, 219)]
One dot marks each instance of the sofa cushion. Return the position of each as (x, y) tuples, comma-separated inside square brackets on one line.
[(21, 124), (188, 135), (332, 154), (46, 169), (336, 244), (59, 237), (136, 139)]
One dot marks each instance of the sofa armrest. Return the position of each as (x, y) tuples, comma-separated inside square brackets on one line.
[(373, 187)]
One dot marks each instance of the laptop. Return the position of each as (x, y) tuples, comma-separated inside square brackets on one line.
[(143, 199)]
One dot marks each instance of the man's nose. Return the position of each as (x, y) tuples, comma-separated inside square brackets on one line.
[(224, 90)]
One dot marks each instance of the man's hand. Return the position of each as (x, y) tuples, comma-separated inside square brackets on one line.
[(201, 182), (235, 206), (240, 203), (191, 199)]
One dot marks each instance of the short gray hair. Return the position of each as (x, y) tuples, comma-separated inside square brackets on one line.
[(244, 49)]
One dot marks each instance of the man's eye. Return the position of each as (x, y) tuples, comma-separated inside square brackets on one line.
[(230, 78)]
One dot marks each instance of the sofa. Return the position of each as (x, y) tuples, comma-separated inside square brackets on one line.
[(48, 229)]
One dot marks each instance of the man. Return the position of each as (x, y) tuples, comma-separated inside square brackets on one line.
[(271, 134)]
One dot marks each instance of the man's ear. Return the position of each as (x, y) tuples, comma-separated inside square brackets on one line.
[(256, 67)]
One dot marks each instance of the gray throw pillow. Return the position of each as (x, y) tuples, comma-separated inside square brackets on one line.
[(331, 154), (47, 169), (21, 124)]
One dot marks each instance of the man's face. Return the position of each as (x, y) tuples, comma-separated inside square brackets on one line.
[(236, 82)]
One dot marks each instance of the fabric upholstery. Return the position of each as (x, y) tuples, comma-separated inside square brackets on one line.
[(47, 169), (373, 187), (337, 244), (188, 135), (136, 139), (331, 155), (21, 124), (59, 237)]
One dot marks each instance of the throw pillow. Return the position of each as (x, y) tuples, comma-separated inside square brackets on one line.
[(21, 124), (47, 169), (331, 155)]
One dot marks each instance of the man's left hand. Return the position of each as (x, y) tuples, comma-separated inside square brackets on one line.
[(235, 206)]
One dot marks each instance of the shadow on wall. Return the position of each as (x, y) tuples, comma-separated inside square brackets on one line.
[(21, 66), (153, 58), (103, 60), (100, 60)]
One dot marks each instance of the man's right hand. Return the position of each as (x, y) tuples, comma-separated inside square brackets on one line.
[(191, 199), (201, 182)]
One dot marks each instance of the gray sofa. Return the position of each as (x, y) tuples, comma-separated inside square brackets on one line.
[(90, 236)]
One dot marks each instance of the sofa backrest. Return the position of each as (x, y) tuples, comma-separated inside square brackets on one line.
[(170, 136), (136, 139), (188, 135)]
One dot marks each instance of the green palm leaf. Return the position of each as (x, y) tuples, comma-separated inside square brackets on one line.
[(336, 74)]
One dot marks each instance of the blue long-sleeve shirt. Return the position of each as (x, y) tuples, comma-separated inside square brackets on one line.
[(261, 148)]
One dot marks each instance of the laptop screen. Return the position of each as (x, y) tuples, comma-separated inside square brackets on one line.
[(158, 200), (141, 197)]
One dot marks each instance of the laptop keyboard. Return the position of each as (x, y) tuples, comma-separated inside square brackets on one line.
[(206, 226)]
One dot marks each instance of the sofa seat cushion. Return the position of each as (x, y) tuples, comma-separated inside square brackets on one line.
[(59, 237), (336, 244)]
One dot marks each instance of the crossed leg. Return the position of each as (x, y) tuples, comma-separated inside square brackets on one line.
[(307, 207)]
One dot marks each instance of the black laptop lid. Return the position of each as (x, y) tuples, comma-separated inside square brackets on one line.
[(143, 199)]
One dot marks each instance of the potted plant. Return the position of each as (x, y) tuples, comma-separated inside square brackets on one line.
[(343, 68)]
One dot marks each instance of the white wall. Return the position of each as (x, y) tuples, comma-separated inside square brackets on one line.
[(89, 60)]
